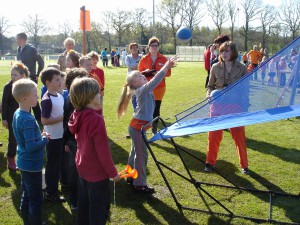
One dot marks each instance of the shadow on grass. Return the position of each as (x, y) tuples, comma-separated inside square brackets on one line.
[(140, 203), (289, 205), (285, 154), (120, 155), (3, 168)]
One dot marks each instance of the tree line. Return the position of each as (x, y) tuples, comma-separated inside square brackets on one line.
[(248, 22)]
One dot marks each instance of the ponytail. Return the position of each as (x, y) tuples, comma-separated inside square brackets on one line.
[(124, 101)]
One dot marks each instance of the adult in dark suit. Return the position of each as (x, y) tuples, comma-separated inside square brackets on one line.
[(29, 56)]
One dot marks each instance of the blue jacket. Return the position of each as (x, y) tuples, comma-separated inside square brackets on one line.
[(29, 56), (31, 145)]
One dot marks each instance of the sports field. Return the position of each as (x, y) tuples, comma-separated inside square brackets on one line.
[(273, 152)]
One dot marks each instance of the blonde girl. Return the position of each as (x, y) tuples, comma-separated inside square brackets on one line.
[(9, 106), (137, 83)]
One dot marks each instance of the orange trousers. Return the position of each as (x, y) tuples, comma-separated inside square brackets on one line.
[(214, 141)]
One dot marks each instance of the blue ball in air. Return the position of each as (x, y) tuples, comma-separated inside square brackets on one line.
[(184, 34)]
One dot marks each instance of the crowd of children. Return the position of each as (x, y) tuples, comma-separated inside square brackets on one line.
[(74, 136)]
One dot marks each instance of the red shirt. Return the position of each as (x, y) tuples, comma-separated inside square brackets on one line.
[(93, 159), (100, 74), (207, 59)]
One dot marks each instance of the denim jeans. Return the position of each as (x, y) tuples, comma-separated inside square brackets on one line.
[(31, 200), (54, 150), (93, 202)]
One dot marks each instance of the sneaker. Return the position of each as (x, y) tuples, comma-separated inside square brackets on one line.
[(129, 180), (56, 198), (128, 136), (245, 171), (208, 167), (144, 189)]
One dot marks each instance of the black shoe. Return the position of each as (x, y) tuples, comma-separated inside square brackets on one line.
[(64, 188), (56, 198), (208, 167), (246, 171), (144, 189), (129, 180)]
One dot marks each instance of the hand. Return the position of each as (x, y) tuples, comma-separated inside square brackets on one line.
[(102, 92), (5, 124), (116, 178), (173, 61), (67, 149), (45, 134)]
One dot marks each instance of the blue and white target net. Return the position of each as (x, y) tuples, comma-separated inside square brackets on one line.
[(269, 92)]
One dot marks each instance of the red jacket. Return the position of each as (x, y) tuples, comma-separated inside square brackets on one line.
[(93, 158), (146, 63), (207, 59)]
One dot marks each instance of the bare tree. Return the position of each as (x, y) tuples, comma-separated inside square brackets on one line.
[(107, 27), (290, 16), (121, 23), (233, 11), (192, 14), (35, 27), (169, 12), (267, 18), (251, 10), (4, 26), (140, 21), (217, 10), (65, 29)]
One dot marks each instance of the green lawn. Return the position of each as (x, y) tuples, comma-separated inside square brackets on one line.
[(273, 152)]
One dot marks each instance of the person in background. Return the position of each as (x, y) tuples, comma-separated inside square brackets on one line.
[(104, 57), (69, 44), (9, 106), (225, 72), (254, 56), (97, 72), (214, 57), (148, 66), (245, 58), (30, 151), (29, 56), (72, 59), (123, 54), (112, 57), (132, 60), (207, 54)]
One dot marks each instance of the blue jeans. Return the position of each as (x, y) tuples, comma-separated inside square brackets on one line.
[(93, 202), (54, 151), (31, 200)]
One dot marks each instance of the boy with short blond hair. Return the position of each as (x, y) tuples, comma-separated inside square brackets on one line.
[(30, 150), (52, 119), (93, 159)]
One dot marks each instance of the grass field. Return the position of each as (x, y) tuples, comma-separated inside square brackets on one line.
[(273, 152)]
